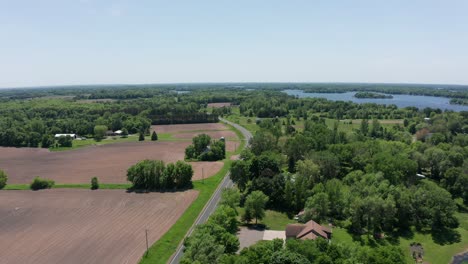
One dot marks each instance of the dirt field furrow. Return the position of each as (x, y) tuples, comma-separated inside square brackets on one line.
[(109, 162), (83, 226)]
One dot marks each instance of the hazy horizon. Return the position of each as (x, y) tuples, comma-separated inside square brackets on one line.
[(212, 83), (86, 42)]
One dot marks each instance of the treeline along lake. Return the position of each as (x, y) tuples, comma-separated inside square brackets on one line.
[(400, 100)]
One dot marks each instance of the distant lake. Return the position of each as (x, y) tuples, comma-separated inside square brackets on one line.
[(400, 100), (182, 92)]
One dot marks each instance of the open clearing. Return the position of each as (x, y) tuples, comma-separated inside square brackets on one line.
[(83, 226), (189, 131)]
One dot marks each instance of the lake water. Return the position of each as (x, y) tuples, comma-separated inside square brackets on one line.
[(400, 100)]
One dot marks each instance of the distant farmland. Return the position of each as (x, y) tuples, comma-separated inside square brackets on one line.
[(84, 226), (110, 162)]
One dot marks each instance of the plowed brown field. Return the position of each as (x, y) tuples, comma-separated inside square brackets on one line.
[(83, 226), (109, 162)]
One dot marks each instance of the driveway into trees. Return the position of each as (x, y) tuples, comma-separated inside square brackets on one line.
[(213, 202)]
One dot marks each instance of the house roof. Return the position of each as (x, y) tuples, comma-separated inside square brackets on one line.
[(292, 230), (312, 226), (309, 230), (310, 236)]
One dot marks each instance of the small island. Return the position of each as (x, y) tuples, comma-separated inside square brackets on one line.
[(459, 101), (372, 95)]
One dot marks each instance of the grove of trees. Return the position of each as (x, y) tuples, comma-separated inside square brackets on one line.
[(155, 175), (205, 149)]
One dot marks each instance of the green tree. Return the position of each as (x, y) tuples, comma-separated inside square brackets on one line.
[(94, 183), (262, 141), (3, 179), (317, 207), (65, 141), (202, 247), (190, 152), (141, 136), (154, 136), (34, 139), (99, 132), (39, 183), (230, 197), (47, 141), (288, 257), (146, 174), (183, 174), (433, 206), (309, 170), (240, 173), (124, 132), (255, 205), (200, 143), (364, 129), (226, 217)]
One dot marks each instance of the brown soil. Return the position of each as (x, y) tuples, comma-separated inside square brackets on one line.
[(219, 105), (227, 134), (83, 226), (107, 162), (110, 162), (208, 168), (172, 129)]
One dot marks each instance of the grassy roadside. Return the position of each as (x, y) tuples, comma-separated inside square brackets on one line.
[(165, 247)]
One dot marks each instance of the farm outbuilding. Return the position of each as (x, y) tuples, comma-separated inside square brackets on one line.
[(74, 136)]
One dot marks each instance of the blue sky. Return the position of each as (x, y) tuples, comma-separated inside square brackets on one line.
[(104, 42)]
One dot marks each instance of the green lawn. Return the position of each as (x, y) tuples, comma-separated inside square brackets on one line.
[(111, 140), (433, 252), (275, 220), (243, 120)]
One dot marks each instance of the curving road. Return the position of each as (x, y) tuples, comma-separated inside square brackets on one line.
[(214, 200)]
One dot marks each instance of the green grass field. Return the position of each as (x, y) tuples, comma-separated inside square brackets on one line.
[(111, 140), (275, 220), (243, 120)]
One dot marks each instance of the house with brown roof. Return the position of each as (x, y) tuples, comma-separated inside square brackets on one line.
[(309, 230)]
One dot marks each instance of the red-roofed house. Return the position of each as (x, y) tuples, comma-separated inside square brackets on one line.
[(309, 230)]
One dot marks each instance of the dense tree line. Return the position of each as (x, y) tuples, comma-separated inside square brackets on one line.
[(155, 175), (368, 177), (215, 242), (317, 251), (27, 122)]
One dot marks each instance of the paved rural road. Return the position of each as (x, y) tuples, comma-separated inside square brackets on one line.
[(214, 200)]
